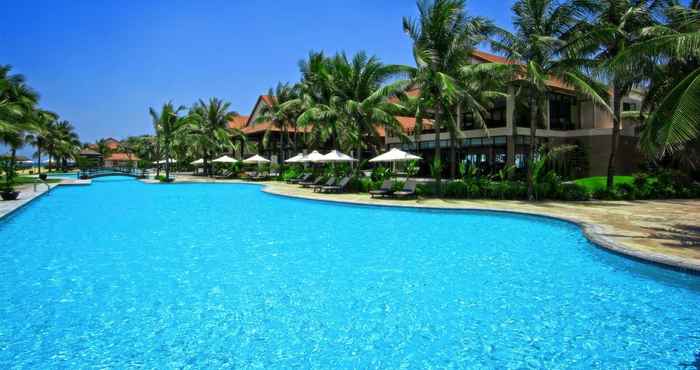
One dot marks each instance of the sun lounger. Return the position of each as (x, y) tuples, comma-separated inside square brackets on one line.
[(330, 182), (302, 178), (310, 184), (339, 188), (409, 190), (384, 191)]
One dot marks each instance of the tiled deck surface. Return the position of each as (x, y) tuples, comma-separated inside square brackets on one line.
[(28, 193), (664, 231)]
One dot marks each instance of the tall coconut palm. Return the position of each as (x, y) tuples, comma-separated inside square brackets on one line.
[(17, 109), (168, 121), (318, 106), (207, 124), (360, 85), (615, 26), (42, 122), (441, 46), (674, 92), (281, 115), (65, 143), (537, 54)]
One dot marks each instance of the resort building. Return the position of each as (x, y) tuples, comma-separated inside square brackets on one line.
[(121, 160), (569, 119), (255, 134)]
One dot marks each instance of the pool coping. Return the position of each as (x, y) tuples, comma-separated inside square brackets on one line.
[(593, 232), (23, 202)]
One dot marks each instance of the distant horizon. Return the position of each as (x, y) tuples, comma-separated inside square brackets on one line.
[(102, 67)]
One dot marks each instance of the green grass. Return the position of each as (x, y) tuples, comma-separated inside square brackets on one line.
[(599, 182)]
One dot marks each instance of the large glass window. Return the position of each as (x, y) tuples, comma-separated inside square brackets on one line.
[(560, 108)]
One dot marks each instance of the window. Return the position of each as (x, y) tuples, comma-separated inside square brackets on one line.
[(560, 108), (629, 107), (467, 121)]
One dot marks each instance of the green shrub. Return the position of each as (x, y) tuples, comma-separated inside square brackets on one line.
[(573, 192), (381, 173), (457, 189), (625, 191), (292, 173), (604, 194), (425, 190)]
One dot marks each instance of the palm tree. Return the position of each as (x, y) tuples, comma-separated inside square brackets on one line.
[(42, 122), (317, 104), (537, 54), (360, 85), (616, 25), (207, 125), (167, 122), (17, 109), (281, 114), (65, 142), (441, 46), (674, 92)]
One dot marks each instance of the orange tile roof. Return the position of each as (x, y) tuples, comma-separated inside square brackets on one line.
[(238, 122), (122, 157), (263, 126), (408, 124), (491, 58)]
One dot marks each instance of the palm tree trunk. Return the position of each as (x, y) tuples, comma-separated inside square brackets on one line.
[(617, 118), (533, 147), (453, 143), (38, 160), (437, 154), (296, 149)]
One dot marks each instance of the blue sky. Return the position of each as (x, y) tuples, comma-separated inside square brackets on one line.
[(100, 64)]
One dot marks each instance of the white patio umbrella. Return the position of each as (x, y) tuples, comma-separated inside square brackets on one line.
[(162, 161), (296, 159), (198, 162), (256, 159), (337, 157), (395, 155), (315, 156), (225, 159)]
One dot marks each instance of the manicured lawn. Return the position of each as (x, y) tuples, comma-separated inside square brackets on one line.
[(598, 182)]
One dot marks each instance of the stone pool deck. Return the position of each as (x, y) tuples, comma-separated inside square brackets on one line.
[(662, 231), (29, 192)]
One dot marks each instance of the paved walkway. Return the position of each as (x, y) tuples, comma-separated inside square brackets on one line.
[(664, 231), (28, 193)]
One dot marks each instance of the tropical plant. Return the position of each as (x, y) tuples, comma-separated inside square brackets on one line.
[(206, 130), (537, 52), (615, 26), (281, 112), (41, 132), (17, 110), (442, 44), (7, 166), (674, 92), (167, 122)]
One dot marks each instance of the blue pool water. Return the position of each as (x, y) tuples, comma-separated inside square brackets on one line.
[(125, 275), (66, 175)]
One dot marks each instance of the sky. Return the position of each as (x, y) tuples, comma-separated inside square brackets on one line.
[(101, 64)]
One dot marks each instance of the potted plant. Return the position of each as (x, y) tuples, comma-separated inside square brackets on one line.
[(7, 192)]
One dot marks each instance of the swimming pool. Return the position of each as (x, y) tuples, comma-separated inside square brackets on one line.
[(63, 175), (122, 274)]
